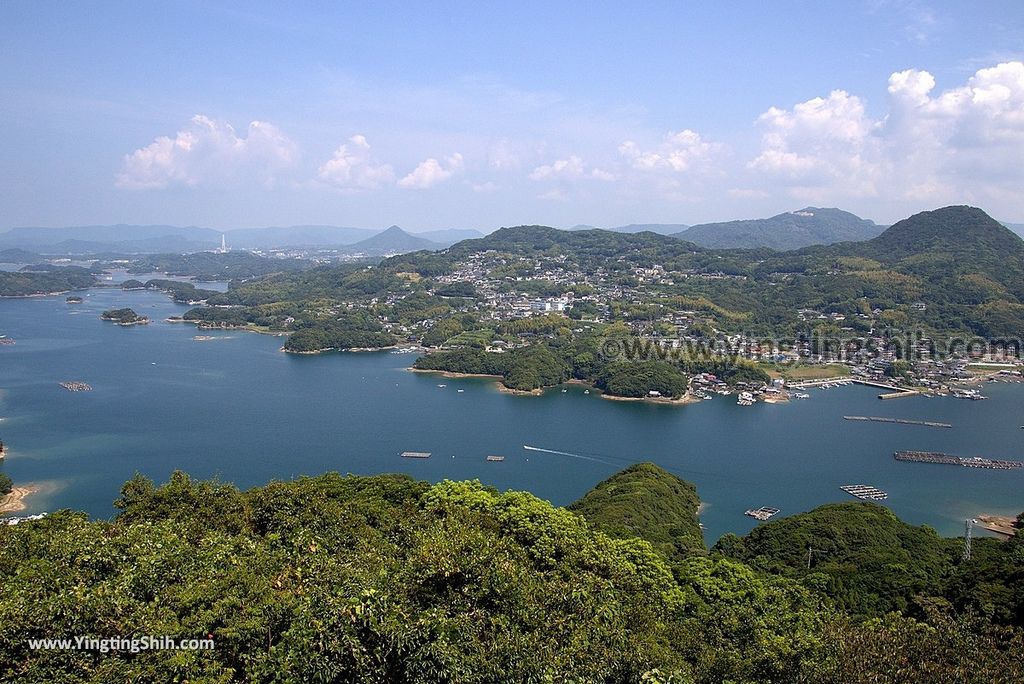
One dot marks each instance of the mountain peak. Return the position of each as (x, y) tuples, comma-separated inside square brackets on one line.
[(789, 230), (394, 240), (957, 228)]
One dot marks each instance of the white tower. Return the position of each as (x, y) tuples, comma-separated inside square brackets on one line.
[(223, 243)]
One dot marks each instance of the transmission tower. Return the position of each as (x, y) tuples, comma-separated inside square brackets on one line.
[(968, 526), (810, 552)]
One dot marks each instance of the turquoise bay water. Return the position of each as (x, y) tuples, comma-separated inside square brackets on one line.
[(238, 408)]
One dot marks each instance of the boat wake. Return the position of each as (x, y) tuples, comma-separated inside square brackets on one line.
[(570, 454)]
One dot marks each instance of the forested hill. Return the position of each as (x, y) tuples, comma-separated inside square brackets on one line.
[(791, 230), (956, 231), (870, 562), (388, 579), (954, 241), (648, 502)]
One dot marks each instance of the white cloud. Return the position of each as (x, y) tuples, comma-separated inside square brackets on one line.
[(820, 144), (430, 172), (209, 152), (677, 152), (352, 169), (485, 187), (572, 168), (961, 144), (554, 195)]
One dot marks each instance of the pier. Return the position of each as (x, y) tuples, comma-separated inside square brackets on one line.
[(823, 382), (899, 421), (948, 459), (895, 391)]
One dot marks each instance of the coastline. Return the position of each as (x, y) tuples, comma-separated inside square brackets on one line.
[(453, 374), (1002, 525), (686, 398), (15, 501), (328, 350)]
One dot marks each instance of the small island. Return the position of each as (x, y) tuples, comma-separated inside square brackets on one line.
[(74, 299), (124, 317)]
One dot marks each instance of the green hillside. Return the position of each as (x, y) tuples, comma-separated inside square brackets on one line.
[(388, 579), (648, 502)]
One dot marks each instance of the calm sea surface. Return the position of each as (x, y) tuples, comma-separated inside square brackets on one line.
[(237, 408)]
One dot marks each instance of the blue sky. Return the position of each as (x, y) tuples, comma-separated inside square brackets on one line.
[(471, 115)]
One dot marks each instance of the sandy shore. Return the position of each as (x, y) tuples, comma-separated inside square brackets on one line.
[(1000, 524), (15, 501), (496, 378), (685, 399), (681, 401), (451, 374)]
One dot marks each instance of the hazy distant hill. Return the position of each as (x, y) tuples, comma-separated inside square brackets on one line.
[(449, 236), (792, 230), (394, 240), (660, 228), (115, 238), (16, 255), (295, 236)]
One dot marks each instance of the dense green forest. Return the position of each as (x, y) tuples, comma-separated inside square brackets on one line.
[(123, 316), (388, 579), (952, 270), (547, 363), (210, 266), (25, 283), (647, 502)]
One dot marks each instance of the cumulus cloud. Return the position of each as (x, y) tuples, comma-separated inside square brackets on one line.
[(352, 169), (961, 144), (819, 144), (680, 151), (972, 133), (209, 152), (485, 187), (430, 172), (572, 168)]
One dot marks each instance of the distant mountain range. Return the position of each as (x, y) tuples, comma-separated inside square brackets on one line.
[(791, 230), (660, 228), (155, 239)]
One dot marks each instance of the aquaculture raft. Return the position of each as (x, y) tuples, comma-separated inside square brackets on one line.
[(866, 492), (762, 513)]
